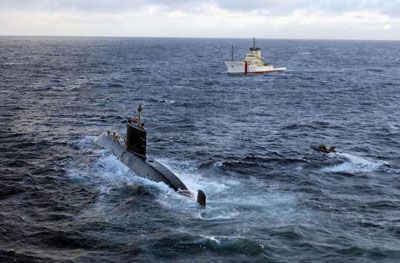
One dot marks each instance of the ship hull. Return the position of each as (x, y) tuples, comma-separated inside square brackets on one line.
[(242, 67)]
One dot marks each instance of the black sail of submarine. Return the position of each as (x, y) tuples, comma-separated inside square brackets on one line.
[(133, 155)]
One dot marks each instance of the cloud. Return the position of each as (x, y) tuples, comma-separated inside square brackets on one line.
[(195, 18), (274, 7), (95, 5)]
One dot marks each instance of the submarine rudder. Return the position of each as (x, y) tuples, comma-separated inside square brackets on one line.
[(201, 198)]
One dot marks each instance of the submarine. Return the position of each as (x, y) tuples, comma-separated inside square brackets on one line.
[(132, 152)]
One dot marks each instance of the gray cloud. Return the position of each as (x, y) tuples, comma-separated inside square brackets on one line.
[(92, 5), (272, 7), (391, 7), (243, 18)]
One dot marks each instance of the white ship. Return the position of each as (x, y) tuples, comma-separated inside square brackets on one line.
[(253, 63)]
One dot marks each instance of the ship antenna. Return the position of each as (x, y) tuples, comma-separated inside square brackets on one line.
[(139, 109), (232, 53)]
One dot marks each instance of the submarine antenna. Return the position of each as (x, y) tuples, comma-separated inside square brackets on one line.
[(254, 42), (232, 53), (140, 109)]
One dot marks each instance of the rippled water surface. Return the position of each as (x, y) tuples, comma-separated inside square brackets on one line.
[(244, 140)]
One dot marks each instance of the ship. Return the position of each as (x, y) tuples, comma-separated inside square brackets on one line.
[(252, 63), (132, 152)]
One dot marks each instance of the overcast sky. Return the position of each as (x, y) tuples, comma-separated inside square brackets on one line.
[(316, 19)]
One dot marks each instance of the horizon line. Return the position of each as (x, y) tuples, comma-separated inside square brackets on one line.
[(272, 38)]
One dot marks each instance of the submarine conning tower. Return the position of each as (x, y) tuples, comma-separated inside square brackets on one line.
[(136, 135)]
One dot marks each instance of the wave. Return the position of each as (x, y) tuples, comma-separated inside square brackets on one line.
[(355, 164), (255, 161), (167, 101), (194, 180), (187, 242), (211, 215), (235, 244), (228, 199), (115, 85), (106, 171), (298, 126), (83, 143)]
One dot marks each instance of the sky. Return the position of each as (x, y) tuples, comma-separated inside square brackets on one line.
[(283, 19)]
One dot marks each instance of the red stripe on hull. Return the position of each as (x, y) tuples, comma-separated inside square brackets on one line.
[(267, 71), (256, 72)]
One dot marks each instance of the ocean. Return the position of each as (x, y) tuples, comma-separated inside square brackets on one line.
[(244, 140)]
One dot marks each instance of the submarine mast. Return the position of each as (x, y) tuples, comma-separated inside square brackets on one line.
[(139, 109)]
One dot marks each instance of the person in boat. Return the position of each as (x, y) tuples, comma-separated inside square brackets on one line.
[(322, 147), (116, 137)]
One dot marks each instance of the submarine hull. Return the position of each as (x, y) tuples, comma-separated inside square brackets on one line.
[(143, 167)]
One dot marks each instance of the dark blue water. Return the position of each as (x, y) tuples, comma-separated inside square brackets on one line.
[(244, 140)]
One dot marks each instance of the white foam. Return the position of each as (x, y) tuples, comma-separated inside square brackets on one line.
[(108, 172), (218, 164), (77, 175), (169, 101), (354, 164), (212, 238), (86, 141), (192, 178), (116, 173), (227, 198), (219, 215)]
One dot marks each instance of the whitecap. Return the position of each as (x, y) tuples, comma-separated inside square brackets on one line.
[(354, 164)]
